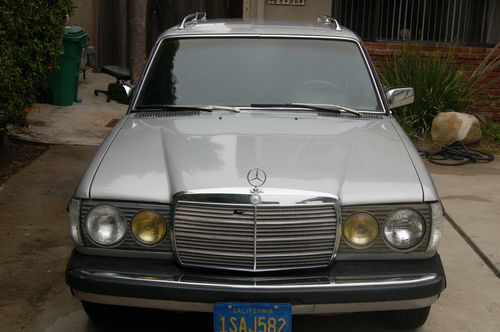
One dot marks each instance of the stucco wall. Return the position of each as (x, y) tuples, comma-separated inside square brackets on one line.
[(83, 15)]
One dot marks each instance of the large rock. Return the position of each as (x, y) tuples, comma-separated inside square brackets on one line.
[(449, 127)]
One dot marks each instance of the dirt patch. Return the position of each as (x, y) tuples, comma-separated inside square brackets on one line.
[(14, 155), (38, 123)]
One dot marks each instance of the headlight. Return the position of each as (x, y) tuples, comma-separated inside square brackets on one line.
[(360, 230), (404, 228), (105, 225), (148, 227), (74, 221)]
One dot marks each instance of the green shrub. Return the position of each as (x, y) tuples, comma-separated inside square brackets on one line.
[(491, 131), (31, 34), (440, 85)]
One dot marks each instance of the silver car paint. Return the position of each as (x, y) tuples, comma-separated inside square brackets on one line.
[(83, 189), (359, 160), (145, 163), (428, 187)]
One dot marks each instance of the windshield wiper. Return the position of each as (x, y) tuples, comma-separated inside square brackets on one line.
[(203, 108), (317, 107)]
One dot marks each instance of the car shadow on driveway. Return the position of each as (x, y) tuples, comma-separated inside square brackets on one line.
[(132, 319)]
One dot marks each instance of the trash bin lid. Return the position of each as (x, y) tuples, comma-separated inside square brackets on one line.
[(75, 34)]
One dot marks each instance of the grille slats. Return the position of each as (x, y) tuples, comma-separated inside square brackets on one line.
[(207, 218), (214, 236), (219, 261), (310, 228), (294, 238), (222, 236), (203, 231), (217, 245), (219, 253), (292, 245)]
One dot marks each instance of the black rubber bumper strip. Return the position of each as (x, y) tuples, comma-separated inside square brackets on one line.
[(94, 274)]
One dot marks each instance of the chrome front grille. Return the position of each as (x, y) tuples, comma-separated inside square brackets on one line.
[(299, 236), (254, 238), (214, 235)]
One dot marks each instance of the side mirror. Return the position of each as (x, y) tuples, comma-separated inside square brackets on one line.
[(120, 92), (398, 97)]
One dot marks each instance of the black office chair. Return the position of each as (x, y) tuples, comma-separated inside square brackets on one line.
[(121, 74)]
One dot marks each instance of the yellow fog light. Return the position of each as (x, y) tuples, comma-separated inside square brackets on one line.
[(148, 227), (360, 230)]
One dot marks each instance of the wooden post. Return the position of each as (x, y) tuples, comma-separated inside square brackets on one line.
[(137, 11)]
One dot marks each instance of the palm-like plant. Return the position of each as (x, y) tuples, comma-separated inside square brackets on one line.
[(440, 85)]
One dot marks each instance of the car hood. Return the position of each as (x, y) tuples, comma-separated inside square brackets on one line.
[(361, 161)]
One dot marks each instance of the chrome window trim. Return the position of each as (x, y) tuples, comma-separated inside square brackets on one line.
[(386, 111)]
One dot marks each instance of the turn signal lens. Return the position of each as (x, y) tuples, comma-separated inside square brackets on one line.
[(148, 227), (437, 225), (74, 221), (360, 230)]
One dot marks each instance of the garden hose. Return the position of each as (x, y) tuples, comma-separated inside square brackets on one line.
[(457, 154)]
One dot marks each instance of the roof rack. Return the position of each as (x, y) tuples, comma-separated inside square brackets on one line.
[(192, 19), (325, 19)]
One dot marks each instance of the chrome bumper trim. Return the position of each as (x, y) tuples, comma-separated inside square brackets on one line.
[(300, 309), (332, 281)]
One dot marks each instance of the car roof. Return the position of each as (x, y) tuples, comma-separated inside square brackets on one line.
[(261, 27)]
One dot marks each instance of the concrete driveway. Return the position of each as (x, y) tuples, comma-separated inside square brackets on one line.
[(35, 244)]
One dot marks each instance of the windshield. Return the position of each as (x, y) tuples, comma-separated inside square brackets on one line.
[(246, 71)]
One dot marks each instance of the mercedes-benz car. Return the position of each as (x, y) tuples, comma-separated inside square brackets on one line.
[(258, 174)]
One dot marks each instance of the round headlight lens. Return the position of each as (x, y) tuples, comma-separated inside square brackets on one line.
[(404, 228), (360, 230), (148, 227), (105, 225)]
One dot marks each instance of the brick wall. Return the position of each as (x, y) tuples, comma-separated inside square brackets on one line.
[(469, 57)]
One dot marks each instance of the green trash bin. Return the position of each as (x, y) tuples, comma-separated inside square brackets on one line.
[(63, 83)]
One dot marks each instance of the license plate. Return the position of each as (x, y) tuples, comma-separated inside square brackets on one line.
[(252, 317)]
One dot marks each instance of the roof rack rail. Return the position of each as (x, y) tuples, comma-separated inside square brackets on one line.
[(192, 19), (321, 18)]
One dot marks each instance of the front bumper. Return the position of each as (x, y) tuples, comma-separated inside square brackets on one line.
[(348, 286)]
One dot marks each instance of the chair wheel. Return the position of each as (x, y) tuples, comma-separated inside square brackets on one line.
[(96, 93)]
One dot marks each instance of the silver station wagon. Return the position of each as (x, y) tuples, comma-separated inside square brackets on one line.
[(258, 174)]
